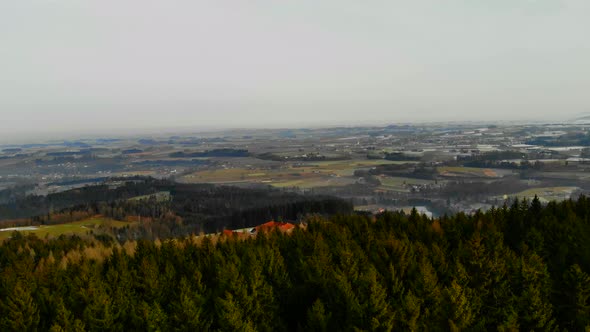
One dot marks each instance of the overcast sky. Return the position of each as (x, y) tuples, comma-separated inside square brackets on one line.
[(105, 65)]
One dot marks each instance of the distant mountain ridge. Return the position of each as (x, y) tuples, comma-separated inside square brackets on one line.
[(581, 119)]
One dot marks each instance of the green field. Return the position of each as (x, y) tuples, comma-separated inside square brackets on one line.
[(78, 227), (312, 182), (399, 183)]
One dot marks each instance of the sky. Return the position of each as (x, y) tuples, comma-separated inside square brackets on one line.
[(101, 66)]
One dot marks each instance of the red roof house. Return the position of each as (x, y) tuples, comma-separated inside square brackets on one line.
[(282, 226)]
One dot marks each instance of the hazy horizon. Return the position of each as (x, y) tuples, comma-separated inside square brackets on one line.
[(163, 131), (70, 67)]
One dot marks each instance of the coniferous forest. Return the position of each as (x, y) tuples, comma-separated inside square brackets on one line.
[(519, 267)]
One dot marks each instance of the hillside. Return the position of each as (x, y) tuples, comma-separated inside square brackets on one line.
[(167, 209)]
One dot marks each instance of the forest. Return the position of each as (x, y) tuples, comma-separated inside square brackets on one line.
[(523, 266)]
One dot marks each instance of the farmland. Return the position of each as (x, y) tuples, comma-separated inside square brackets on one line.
[(459, 171), (292, 174), (401, 183), (451, 167)]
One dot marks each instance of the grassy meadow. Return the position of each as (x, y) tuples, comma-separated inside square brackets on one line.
[(77, 227)]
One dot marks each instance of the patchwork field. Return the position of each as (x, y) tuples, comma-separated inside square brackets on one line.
[(304, 175)]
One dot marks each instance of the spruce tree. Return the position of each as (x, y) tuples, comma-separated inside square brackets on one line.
[(19, 311), (318, 320)]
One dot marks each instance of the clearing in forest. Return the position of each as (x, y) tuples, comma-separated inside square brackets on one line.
[(77, 227)]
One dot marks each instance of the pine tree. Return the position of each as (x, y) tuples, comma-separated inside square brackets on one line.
[(344, 302), (536, 312), (187, 312), (64, 320), (231, 316), (376, 309), (154, 318), (317, 318), (458, 302), (428, 289), (234, 305), (411, 312), (577, 296), (99, 314), (19, 311)]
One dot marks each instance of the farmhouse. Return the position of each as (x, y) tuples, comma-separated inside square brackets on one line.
[(266, 227), (282, 226)]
